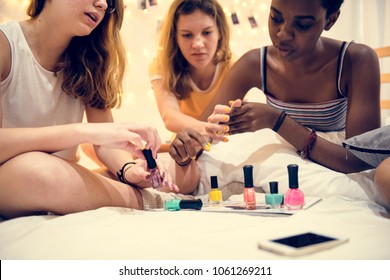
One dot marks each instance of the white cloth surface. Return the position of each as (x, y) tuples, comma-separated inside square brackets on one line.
[(347, 209), (117, 233)]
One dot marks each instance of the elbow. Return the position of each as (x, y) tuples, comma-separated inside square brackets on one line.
[(171, 124)]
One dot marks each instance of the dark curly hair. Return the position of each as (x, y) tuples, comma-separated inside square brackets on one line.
[(331, 6)]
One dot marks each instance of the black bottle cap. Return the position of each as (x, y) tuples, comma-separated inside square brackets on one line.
[(191, 204), (214, 182), (149, 158), (273, 187), (248, 176), (293, 176)]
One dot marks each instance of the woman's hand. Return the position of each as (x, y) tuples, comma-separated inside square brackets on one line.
[(217, 127), (186, 145), (240, 117), (249, 117), (131, 137), (139, 176)]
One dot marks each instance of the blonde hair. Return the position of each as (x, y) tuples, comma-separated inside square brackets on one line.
[(173, 65), (93, 66)]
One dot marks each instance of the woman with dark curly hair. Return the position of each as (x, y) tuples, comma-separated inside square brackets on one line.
[(312, 83)]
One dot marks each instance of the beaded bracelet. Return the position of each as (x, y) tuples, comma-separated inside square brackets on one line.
[(121, 173), (279, 122), (310, 141)]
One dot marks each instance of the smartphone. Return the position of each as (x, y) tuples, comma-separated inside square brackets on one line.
[(300, 244)]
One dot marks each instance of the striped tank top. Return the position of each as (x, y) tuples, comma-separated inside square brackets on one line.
[(324, 116)]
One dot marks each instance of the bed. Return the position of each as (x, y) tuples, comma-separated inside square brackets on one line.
[(346, 208)]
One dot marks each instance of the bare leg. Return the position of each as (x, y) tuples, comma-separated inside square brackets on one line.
[(39, 182), (382, 181)]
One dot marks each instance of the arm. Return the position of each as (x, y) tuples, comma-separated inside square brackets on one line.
[(170, 112), (244, 75), (187, 145), (363, 86), (114, 158), (5, 66)]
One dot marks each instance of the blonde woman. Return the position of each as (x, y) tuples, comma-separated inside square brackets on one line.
[(194, 57)]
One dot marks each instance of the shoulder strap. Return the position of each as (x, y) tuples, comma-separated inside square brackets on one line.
[(340, 64), (263, 68)]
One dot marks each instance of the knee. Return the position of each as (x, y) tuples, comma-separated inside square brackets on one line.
[(382, 182), (32, 168)]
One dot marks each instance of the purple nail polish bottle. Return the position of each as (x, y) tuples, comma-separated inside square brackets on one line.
[(155, 177)]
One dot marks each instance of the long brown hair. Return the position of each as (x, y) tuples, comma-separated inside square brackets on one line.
[(93, 66), (173, 65)]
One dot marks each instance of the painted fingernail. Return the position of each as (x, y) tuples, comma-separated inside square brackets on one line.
[(207, 147), (225, 139), (225, 118), (225, 128)]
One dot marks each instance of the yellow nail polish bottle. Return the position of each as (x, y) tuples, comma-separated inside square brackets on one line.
[(215, 195)]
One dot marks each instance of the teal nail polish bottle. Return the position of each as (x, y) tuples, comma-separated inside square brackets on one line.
[(274, 199)]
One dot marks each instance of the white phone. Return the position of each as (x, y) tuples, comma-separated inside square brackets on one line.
[(300, 244)]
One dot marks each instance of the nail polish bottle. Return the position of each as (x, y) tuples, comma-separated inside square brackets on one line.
[(294, 197), (215, 195), (274, 199), (249, 191), (177, 204), (155, 177)]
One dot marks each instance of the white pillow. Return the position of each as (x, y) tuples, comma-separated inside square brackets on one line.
[(270, 154)]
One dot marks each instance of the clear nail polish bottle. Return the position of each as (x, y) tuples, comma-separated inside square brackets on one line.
[(274, 199), (294, 197), (155, 177), (249, 191), (215, 195)]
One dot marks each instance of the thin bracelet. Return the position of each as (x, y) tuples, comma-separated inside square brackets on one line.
[(121, 173), (182, 164), (310, 141), (188, 161), (279, 122)]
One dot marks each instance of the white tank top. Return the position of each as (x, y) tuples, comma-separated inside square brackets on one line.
[(31, 96)]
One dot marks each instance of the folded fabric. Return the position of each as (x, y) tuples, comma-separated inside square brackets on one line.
[(372, 147)]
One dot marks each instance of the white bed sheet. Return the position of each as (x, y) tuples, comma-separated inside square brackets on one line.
[(347, 208), (116, 233), (270, 154)]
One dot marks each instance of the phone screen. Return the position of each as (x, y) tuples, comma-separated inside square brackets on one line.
[(303, 240)]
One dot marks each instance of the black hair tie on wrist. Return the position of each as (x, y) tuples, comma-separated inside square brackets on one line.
[(121, 173), (280, 121)]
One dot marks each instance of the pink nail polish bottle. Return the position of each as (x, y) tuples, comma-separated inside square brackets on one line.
[(294, 197), (155, 177), (249, 191)]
